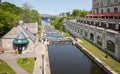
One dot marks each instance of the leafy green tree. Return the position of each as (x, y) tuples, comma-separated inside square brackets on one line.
[(7, 21), (10, 14), (26, 13), (57, 23), (76, 13), (68, 14), (12, 8), (29, 15), (79, 13)]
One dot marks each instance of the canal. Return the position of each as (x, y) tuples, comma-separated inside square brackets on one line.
[(68, 59)]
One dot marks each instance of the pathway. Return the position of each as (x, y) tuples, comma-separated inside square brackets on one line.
[(11, 60), (41, 65)]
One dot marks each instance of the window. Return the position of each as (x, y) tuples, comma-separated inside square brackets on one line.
[(97, 24), (112, 26), (108, 2), (93, 12), (115, 1), (101, 10), (111, 46), (101, 4), (99, 40), (85, 34), (103, 24), (115, 9), (108, 10), (91, 37)]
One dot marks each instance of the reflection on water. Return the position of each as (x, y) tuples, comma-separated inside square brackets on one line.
[(68, 59)]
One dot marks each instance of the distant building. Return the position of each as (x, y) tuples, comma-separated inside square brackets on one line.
[(22, 38), (102, 27), (62, 14)]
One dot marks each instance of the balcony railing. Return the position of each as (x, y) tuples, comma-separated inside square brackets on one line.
[(99, 25)]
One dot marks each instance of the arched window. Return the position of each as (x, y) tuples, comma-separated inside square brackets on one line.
[(108, 10), (111, 46), (81, 31), (101, 10), (99, 40), (115, 9), (85, 34), (91, 37)]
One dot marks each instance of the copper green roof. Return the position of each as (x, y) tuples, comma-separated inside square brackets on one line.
[(21, 39)]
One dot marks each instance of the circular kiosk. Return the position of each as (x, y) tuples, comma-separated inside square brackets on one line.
[(20, 43)]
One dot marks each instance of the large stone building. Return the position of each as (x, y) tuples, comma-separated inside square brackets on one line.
[(102, 27), (105, 6), (22, 38)]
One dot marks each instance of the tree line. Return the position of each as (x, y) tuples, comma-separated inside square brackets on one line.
[(57, 22), (76, 13), (10, 14)]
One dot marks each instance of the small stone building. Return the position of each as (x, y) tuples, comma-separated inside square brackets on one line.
[(23, 37)]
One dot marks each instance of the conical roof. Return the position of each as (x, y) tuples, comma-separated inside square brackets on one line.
[(21, 39), (21, 36)]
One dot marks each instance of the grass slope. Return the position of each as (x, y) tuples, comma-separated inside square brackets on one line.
[(113, 64), (5, 69), (26, 63)]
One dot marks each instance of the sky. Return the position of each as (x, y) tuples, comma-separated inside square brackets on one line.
[(54, 7)]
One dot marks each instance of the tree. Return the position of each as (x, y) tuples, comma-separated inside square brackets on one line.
[(10, 14), (76, 13), (12, 8), (29, 15), (57, 23), (7, 21), (79, 13), (68, 14)]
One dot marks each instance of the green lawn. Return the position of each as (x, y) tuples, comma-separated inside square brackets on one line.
[(5, 69), (113, 64), (67, 34), (26, 63)]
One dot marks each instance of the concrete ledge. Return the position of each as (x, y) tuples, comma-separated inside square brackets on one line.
[(96, 60)]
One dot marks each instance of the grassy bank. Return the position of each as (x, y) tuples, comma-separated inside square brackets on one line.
[(98, 53), (5, 69), (113, 64), (26, 63), (66, 34)]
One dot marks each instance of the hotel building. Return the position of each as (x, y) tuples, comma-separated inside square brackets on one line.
[(101, 27)]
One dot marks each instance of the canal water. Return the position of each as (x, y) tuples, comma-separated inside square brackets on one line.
[(68, 59)]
